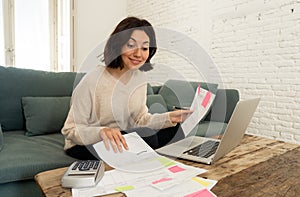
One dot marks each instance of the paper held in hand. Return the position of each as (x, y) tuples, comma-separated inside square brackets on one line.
[(201, 104), (140, 157)]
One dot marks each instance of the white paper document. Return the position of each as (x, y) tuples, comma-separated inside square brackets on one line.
[(192, 187), (203, 99), (139, 158), (164, 180)]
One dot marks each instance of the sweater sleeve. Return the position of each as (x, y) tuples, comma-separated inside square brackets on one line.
[(81, 126), (80, 133)]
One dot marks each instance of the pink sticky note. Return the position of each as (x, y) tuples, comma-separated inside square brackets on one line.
[(199, 88), (176, 169), (161, 180), (201, 193), (206, 99)]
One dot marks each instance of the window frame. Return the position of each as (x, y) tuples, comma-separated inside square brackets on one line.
[(8, 31), (9, 34)]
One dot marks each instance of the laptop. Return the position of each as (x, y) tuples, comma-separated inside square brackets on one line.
[(208, 150)]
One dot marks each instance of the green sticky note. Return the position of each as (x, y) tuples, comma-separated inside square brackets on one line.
[(124, 188), (165, 161)]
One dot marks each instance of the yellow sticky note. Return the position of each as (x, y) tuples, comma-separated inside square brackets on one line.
[(124, 188), (201, 181), (165, 161)]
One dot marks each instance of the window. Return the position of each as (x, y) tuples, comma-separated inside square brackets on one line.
[(36, 34), (32, 34), (2, 52)]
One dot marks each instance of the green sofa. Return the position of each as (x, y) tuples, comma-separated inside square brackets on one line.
[(33, 108), (29, 100)]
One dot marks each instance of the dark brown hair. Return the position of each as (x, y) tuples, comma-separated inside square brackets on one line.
[(120, 36)]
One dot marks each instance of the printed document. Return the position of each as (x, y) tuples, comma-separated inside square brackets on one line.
[(140, 170), (140, 157), (172, 175), (203, 99)]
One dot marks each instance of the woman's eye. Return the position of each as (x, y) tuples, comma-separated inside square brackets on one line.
[(131, 46), (145, 48)]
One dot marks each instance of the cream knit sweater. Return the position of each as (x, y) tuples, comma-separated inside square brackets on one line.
[(100, 100)]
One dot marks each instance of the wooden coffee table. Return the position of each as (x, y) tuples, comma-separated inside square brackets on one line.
[(257, 167)]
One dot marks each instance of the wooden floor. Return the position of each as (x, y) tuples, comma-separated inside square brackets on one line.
[(258, 167)]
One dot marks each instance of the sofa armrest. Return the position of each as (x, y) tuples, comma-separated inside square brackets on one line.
[(1, 138), (223, 106)]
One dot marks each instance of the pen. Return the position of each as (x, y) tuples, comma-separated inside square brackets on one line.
[(183, 108)]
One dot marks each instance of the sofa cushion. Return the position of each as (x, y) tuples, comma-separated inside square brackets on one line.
[(16, 83), (181, 93), (45, 115), (156, 104), (149, 89), (23, 157)]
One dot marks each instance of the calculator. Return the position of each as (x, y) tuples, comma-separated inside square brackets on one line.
[(83, 173)]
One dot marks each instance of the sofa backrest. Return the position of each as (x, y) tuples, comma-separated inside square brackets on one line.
[(16, 83), (181, 93)]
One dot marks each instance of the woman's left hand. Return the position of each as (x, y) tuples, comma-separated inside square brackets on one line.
[(179, 116)]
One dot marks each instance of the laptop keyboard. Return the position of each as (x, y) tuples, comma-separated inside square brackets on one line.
[(205, 149)]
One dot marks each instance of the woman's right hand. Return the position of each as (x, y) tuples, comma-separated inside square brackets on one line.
[(113, 137)]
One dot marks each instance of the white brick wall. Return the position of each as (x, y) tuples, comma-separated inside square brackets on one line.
[(174, 16), (255, 45)]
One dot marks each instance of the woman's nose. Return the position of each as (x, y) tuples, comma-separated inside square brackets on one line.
[(137, 52)]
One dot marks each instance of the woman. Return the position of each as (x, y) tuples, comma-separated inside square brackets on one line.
[(111, 100)]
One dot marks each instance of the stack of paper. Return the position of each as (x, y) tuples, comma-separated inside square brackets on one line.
[(140, 170), (174, 180)]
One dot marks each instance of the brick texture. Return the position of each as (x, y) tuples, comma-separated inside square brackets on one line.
[(255, 45)]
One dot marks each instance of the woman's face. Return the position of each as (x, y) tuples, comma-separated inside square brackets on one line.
[(136, 51)]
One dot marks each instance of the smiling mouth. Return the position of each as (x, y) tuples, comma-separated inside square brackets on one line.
[(134, 61)]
